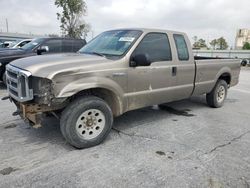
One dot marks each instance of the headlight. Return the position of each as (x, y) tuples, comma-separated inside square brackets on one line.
[(41, 89), (0, 64)]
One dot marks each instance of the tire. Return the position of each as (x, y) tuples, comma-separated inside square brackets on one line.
[(244, 62), (4, 78), (86, 122), (218, 95)]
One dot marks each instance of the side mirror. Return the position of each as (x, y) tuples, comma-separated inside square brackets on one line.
[(42, 49), (140, 60)]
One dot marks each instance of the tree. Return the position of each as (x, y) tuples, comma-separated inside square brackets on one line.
[(201, 43), (195, 38), (71, 18), (222, 43), (214, 43), (246, 46)]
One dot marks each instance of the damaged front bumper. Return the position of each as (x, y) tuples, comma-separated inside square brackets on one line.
[(33, 113)]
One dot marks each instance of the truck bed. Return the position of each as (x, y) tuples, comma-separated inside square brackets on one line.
[(209, 69), (205, 58)]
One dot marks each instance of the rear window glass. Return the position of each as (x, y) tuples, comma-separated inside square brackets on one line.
[(181, 47)]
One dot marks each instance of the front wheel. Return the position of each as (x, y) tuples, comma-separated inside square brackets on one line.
[(218, 95), (86, 122)]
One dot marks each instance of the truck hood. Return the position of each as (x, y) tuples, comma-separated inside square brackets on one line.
[(49, 65)]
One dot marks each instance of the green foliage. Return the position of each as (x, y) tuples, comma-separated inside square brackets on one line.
[(246, 46), (214, 43), (71, 18), (220, 44), (199, 43)]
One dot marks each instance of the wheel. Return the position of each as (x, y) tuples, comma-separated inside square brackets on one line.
[(86, 122), (218, 95), (244, 62), (4, 78)]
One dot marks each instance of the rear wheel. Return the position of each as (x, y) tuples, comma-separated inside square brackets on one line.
[(244, 62), (86, 122), (218, 95)]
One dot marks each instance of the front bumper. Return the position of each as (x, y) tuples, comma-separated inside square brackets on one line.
[(33, 113)]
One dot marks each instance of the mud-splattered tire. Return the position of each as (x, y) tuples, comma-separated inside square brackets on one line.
[(218, 95), (86, 122)]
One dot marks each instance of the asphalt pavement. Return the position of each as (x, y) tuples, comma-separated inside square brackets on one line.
[(188, 144)]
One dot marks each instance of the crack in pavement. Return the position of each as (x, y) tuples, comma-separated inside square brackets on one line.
[(153, 139), (10, 121), (245, 182), (228, 143), (132, 135), (196, 151)]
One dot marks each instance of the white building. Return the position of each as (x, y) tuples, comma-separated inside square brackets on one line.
[(242, 36)]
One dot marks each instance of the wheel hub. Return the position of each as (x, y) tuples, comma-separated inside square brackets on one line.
[(90, 124), (221, 94)]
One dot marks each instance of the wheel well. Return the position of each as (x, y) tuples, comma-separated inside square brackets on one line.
[(108, 96), (226, 77)]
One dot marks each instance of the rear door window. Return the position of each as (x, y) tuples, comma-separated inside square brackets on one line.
[(23, 43), (67, 45), (157, 46), (55, 45), (78, 44), (181, 46)]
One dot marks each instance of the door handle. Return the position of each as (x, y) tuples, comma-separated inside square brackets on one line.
[(174, 71)]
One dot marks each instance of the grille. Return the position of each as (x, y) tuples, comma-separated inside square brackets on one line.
[(18, 84)]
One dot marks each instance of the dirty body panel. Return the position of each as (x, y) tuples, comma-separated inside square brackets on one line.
[(52, 81)]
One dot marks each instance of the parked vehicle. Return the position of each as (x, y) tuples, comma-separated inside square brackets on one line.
[(19, 43), (118, 71), (6, 44), (39, 46), (245, 62)]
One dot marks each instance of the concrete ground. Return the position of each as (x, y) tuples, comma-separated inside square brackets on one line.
[(186, 145)]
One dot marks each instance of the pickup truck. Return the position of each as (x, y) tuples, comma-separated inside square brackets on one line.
[(38, 46), (118, 71)]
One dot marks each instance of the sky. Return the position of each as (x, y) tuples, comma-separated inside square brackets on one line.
[(207, 19)]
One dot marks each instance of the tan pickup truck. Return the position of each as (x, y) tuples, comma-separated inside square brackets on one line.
[(118, 71)]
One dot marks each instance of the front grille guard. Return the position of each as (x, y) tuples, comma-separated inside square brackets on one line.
[(18, 84)]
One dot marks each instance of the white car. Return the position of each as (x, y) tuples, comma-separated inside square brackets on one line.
[(19, 44), (7, 44)]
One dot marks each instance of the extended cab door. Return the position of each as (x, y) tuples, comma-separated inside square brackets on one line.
[(183, 84)]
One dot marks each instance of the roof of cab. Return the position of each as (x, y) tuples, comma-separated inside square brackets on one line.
[(148, 30)]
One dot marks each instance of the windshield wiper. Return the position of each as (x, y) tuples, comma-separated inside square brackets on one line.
[(93, 53), (97, 53)]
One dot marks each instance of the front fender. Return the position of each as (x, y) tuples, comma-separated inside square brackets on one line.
[(86, 83)]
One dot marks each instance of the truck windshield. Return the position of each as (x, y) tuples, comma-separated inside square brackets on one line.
[(34, 43), (112, 43)]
